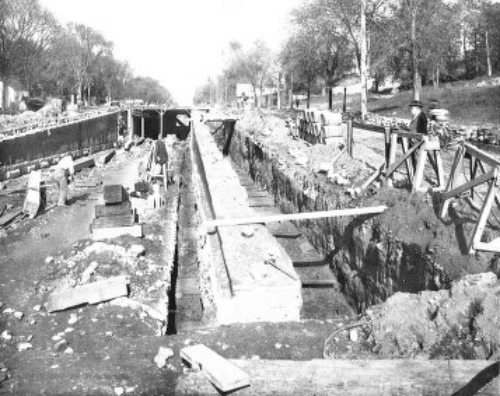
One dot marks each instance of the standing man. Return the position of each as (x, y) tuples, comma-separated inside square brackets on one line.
[(418, 122), (64, 169)]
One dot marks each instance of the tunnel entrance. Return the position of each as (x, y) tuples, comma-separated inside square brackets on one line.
[(154, 122)]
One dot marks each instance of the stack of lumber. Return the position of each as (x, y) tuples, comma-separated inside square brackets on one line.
[(319, 126), (116, 217)]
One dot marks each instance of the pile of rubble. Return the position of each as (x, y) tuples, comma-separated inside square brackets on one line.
[(459, 323)]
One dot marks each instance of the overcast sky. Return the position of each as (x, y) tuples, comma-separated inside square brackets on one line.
[(178, 42)]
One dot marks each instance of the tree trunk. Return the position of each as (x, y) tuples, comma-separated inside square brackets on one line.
[(330, 98), (464, 49), (488, 54), (308, 95), (290, 92), (5, 94), (417, 82), (363, 61), (278, 99), (476, 57)]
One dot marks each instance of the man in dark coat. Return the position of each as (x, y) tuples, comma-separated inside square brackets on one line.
[(418, 122)]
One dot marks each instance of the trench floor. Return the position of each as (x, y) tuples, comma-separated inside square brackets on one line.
[(322, 298)]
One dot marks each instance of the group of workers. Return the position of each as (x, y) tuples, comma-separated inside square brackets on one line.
[(64, 171)]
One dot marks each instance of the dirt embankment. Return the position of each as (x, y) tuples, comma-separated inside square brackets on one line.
[(405, 249), (459, 323)]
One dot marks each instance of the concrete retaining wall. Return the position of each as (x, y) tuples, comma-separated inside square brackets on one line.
[(243, 287), (21, 154)]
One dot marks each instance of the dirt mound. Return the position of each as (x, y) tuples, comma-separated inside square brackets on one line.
[(460, 323)]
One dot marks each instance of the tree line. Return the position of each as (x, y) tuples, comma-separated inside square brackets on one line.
[(413, 42), (48, 59)]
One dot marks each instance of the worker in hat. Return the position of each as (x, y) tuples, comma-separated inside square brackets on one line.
[(63, 170), (418, 122)]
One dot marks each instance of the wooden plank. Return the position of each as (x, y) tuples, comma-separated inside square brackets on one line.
[(113, 221), (320, 377), (483, 217), (410, 135), (419, 172), (471, 184), (296, 216), (409, 161), (91, 293), (482, 155), (8, 218), (84, 162), (368, 127), (99, 234), (375, 175), (395, 165), (226, 376), (124, 208), (316, 283), (392, 155), (114, 193), (104, 159)]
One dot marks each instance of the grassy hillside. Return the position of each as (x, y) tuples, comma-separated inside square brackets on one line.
[(475, 102)]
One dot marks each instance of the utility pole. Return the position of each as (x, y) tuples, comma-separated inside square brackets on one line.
[(363, 70)]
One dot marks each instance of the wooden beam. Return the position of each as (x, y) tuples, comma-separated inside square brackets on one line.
[(296, 216), (8, 218), (410, 135), (225, 375), (374, 176), (91, 293), (84, 162), (471, 184), (317, 283), (482, 155), (402, 159), (419, 172), (368, 127), (409, 377), (483, 217)]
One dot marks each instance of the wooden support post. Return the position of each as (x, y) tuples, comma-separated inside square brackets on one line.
[(419, 172), (160, 134), (375, 175), (397, 163), (130, 124), (409, 161), (387, 140), (471, 184), (392, 154), (473, 170), (440, 171), (457, 161), (143, 127), (485, 211), (344, 103), (350, 140)]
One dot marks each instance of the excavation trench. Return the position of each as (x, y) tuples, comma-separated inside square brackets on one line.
[(369, 258)]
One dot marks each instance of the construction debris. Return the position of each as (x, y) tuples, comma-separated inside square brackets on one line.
[(82, 163), (162, 356), (114, 194), (91, 293), (226, 376)]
